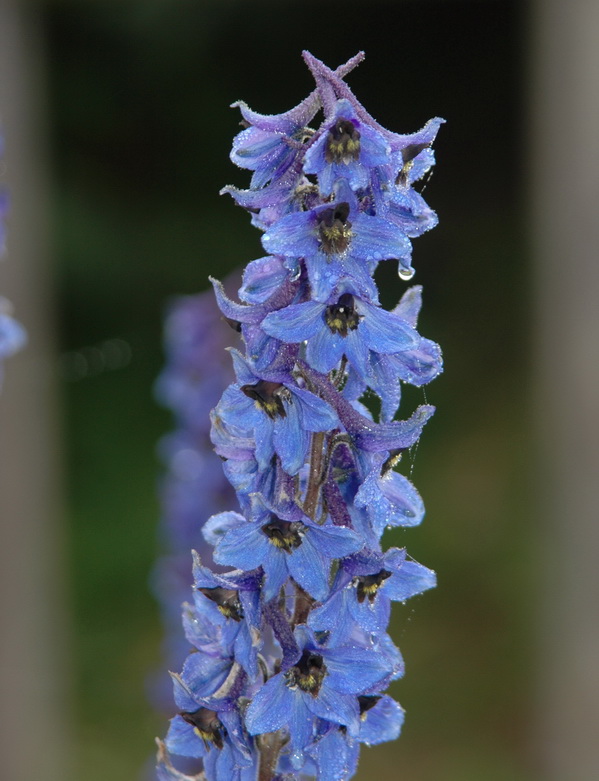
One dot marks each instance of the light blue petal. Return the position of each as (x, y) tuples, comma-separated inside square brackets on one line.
[(412, 578), (383, 379), (301, 720), (270, 708), (290, 438), (261, 279), (337, 756), (404, 504), (243, 546), (374, 150), (263, 434), (237, 409), (335, 542), (391, 500), (355, 670), (309, 568), (295, 323), (360, 273), (203, 674), (357, 351), (381, 723), (329, 615), (316, 414), (410, 305), (181, 739), (335, 707), (383, 332), (377, 239), (323, 275), (275, 566), (325, 349), (293, 236), (218, 525), (183, 697)]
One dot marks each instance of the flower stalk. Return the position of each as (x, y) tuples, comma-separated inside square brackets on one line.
[(290, 647)]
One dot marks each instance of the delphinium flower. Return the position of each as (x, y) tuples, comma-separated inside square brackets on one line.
[(12, 333), (291, 653), (193, 486)]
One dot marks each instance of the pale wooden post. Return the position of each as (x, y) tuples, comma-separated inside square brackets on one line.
[(33, 741), (564, 151)]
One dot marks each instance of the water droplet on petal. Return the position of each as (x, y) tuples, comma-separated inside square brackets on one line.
[(405, 273), (297, 759)]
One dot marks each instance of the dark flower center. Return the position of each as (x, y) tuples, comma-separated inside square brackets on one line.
[(284, 535), (206, 725), (408, 153), (308, 673), (366, 702), (227, 601), (343, 143), (342, 316), (334, 229), (269, 397), (368, 585)]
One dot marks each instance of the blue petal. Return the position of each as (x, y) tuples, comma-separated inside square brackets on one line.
[(330, 615), (391, 500), (412, 578), (383, 379), (381, 723), (276, 570), (404, 504), (335, 707), (316, 414), (245, 313), (263, 434), (203, 674), (270, 708), (183, 696), (336, 756), (309, 568), (325, 349), (396, 435), (239, 410), (166, 772), (181, 739), (355, 670), (384, 332), (290, 439), (323, 275), (243, 546), (293, 236), (218, 525), (301, 720), (295, 323), (357, 351), (335, 542), (377, 239)]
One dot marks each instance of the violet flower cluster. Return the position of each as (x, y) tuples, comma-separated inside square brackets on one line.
[(12, 333), (290, 650), (194, 486)]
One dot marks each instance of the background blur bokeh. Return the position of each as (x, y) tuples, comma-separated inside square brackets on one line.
[(139, 128)]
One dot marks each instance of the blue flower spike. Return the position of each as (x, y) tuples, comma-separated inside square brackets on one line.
[(291, 652)]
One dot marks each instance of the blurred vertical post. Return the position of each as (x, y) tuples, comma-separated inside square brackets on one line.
[(32, 612), (565, 231)]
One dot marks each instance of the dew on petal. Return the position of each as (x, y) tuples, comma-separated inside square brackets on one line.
[(405, 273)]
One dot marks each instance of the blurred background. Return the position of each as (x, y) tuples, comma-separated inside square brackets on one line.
[(117, 132)]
